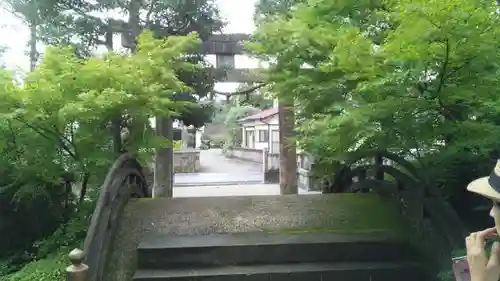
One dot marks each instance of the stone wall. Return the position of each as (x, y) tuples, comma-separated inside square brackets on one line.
[(248, 154), (307, 181), (187, 161), (305, 178), (271, 166), (269, 161)]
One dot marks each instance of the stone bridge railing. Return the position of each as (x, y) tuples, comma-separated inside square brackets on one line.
[(124, 180), (248, 154), (438, 229)]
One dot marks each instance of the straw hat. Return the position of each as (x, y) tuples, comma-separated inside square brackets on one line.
[(488, 187)]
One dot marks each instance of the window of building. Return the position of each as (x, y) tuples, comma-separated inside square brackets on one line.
[(263, 135), (249, 139), (275, 142)]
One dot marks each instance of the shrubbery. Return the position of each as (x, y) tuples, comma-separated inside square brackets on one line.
[(56, 143), (50, 255)]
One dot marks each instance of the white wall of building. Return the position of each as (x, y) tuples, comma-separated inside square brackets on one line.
[(252, 130)]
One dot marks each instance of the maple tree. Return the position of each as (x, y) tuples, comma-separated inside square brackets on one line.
[(54, 127), (412, 77)]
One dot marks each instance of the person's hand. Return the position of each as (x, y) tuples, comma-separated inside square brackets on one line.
[(481, 268)]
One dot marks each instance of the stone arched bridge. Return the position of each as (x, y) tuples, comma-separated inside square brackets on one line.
[(345, 236), (395, 232)]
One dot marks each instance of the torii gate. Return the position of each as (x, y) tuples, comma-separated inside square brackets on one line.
[(225, 47)]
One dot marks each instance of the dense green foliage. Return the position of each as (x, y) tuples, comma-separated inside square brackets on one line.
[(415, 78), (235, 113), (49, 256), (87, 26), (65, 123), (56, 144), (247, 99)]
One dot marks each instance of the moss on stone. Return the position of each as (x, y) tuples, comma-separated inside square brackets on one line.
[(339, 213), (357, 213)]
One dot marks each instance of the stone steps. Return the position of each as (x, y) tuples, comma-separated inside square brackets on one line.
[(279, 256), (161, 252), (379, 271)]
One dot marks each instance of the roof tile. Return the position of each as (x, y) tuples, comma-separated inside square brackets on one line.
[(264, 114)]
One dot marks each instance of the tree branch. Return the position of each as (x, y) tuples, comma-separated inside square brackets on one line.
[(242, 92), (150, 11), (46, 134), (442, 76), (63, 138), (456, 69)]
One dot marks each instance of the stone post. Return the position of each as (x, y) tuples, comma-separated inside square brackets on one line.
[(77, 271), (164, 160), (265, 163), (311, 180), (184, 136)]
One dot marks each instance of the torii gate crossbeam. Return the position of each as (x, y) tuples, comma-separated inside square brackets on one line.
[(225, 47)]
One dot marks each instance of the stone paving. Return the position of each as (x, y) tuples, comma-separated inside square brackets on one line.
[(223, 176), (231, 190), (213, 161), (219, 170)]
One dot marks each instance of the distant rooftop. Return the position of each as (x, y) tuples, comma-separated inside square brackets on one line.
[(264, 114)]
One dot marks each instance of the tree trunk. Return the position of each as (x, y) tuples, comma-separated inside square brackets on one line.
[(133, 22), (164, 157), (288, 153), (32, 46), (116, 134), (379, 162), (83, 191), (163, 171), (116, 121)]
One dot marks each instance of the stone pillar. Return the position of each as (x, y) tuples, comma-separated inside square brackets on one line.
[(184, 136), (265, 163), (77, 271), (164, 160)]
